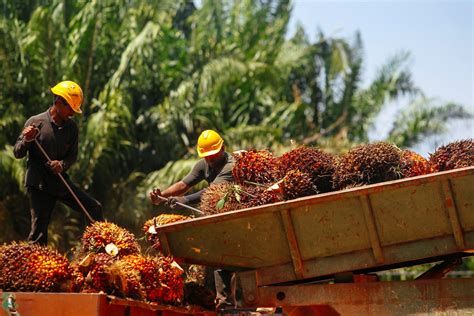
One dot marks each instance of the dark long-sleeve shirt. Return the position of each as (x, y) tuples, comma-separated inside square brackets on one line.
[(60, 142)]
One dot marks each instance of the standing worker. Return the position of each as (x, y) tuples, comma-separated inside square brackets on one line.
[(216, 167), (54, 132)]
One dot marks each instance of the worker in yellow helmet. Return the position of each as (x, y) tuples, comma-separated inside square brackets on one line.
[(57, 135), (215, 167)]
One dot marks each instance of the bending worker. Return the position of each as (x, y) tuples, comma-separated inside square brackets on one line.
[(58, 135), (216, 167)]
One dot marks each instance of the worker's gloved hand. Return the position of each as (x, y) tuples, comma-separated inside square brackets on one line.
[(55, 166), (29, 133), (154, 196), (174, 200)]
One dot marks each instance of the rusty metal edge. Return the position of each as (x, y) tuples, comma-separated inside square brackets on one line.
[(295, 254), (372, 229), (438, 291), (103, 299), (113, 300), (450, 205)]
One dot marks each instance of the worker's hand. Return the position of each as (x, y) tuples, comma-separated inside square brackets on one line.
[(29, 133), (56, 166), (154, 196), (174, 200)]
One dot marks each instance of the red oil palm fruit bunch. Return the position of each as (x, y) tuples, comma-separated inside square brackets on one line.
[(220, 198), (247, 193), (97, 273), (99, 235), (317, 163), (454, 155), (296, 184), (33, 268), (265, 197), (414, 164), (77, 279), (105, 273), (368, 164), (255, 166), (125, 281), (215, 193), (172, 281), (150, 226), (161, 278)]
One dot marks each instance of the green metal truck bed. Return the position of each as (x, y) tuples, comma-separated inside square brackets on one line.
[(373, 226)]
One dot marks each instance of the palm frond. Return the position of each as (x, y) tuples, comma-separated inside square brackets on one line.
[(423, 118)]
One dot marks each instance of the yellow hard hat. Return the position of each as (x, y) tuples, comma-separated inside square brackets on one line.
[(209, 143), (71, 92)]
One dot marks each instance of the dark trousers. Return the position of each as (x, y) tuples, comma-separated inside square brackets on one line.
[(42, 204)]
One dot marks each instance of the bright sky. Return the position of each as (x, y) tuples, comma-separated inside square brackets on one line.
[(438, 34)]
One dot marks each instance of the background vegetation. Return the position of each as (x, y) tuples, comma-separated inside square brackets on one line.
[(157, 73)]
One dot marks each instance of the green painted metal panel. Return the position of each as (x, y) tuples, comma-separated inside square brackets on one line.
[(463, 189), (222, 244), (412, 213), (372, 226), (331, 228)]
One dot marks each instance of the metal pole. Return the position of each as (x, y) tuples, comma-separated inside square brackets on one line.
[(66, 184), (182, 205)]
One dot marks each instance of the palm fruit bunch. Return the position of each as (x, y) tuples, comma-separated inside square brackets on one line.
[(33, 268), (220, 198), (106, 273), (172, 281), (317, 163), (161, 277), (296, 184), (266, 196), (99, 235), (125, 281), (454, 155), (368, 164), (96, 268), (77, 279), (150, 227), (248, 193), (414, 164), (256, 166)]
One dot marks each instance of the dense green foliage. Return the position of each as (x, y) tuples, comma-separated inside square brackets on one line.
[(157, 73)]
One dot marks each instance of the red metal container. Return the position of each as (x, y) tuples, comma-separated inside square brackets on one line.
[(93, 304)]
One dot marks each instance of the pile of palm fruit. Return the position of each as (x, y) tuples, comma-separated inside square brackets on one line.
[(109, 260), (33, 268), (195, 290), (262, 178), (151, 225)]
